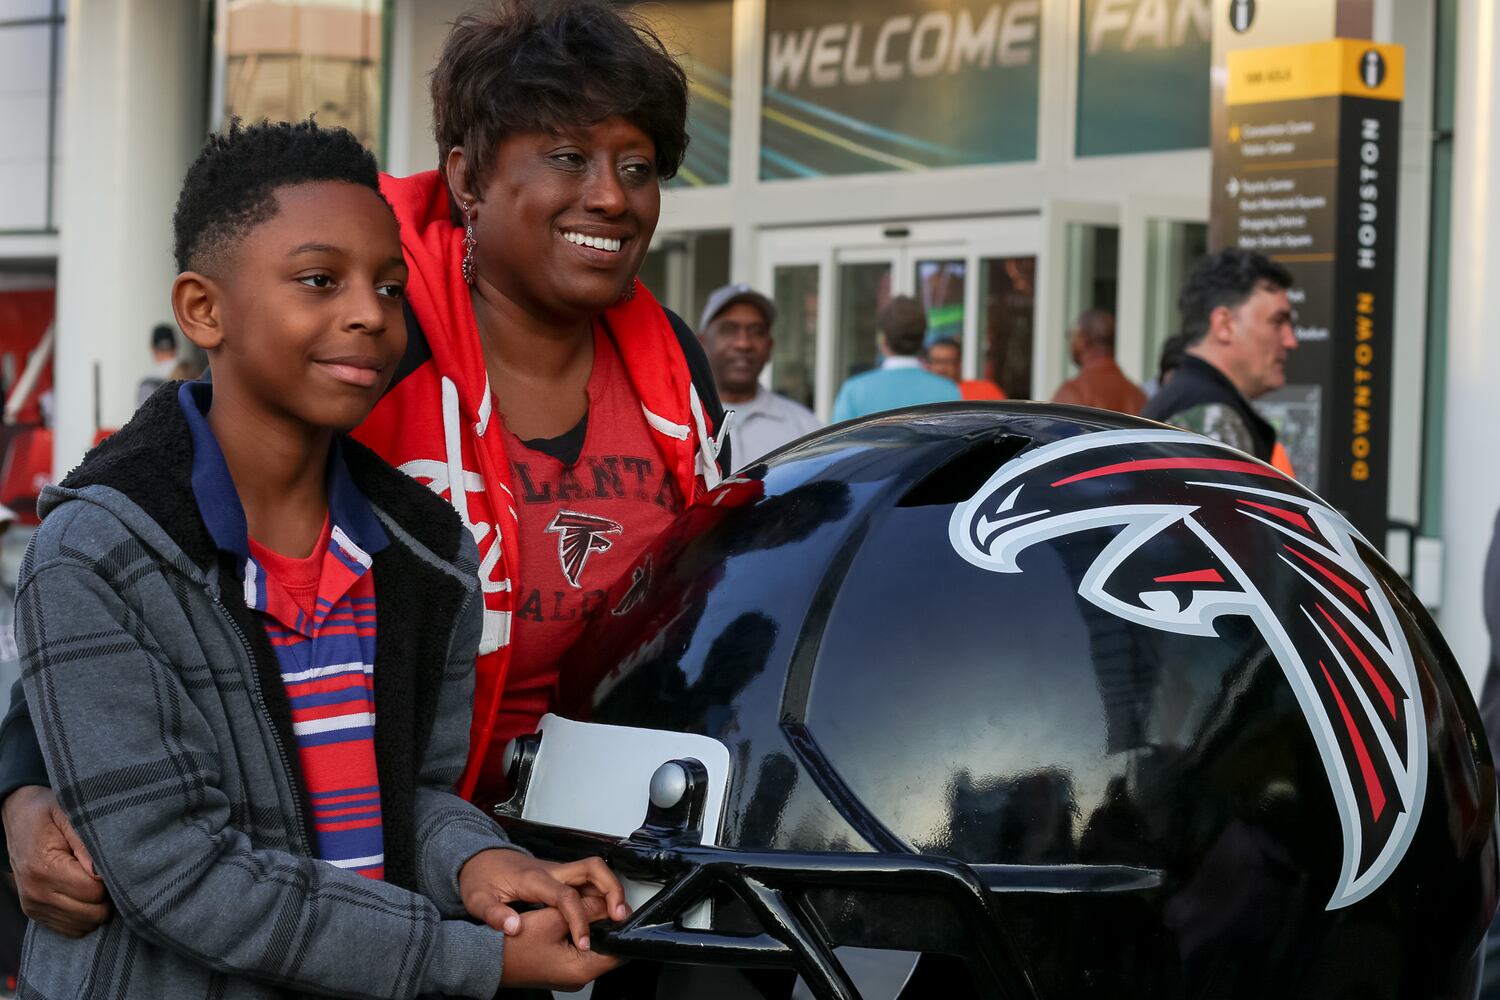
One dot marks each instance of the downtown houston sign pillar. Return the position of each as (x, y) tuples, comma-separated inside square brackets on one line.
[(1305, 171)]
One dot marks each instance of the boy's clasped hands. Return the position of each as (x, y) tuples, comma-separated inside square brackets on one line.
[(548, 946)]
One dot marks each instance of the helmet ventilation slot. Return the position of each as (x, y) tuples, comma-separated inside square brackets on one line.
[(962, 475)]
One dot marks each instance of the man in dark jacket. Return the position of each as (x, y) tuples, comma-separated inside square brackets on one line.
[(1237, 319)]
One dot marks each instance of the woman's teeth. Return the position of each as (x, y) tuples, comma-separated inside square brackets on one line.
[(597, 242)]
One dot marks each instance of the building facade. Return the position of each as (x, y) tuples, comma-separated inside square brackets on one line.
[(1010, 162)]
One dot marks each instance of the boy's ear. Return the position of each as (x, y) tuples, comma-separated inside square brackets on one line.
[(454, 172), (195, 303)]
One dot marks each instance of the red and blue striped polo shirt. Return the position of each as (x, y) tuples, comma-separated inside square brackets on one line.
[(319, 615)]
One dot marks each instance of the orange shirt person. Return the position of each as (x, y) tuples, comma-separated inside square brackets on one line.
[(944, 357)]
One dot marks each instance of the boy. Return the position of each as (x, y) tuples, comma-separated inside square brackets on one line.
[(225, 597)]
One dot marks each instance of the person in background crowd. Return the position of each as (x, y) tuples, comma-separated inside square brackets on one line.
[(945, 357), (1172, 351), (1171, 357), (1237, 326), (534, 357), (736, 334), (1099, 382), (900, 380), (163, 360)]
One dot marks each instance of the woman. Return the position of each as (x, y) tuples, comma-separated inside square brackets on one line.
[(555, 389), (562, 411)]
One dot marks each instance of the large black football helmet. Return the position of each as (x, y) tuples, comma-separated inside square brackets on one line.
[(1028, 701)]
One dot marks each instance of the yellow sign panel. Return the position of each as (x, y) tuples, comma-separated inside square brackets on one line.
[(1343, 67)]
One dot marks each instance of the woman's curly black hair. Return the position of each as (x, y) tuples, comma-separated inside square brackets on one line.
[(541, 65), (230, 188)]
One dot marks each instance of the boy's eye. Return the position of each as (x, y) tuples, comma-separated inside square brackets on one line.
[(316, 280)]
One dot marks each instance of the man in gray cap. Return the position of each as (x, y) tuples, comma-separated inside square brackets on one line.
[(736, 336)]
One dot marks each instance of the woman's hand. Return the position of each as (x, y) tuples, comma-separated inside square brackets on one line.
[(491, 880), (54, 874), (540, 955)]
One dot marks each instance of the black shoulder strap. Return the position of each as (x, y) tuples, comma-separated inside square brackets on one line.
[(703, 379)]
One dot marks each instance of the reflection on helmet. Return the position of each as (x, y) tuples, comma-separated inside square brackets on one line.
[(1034, 701)]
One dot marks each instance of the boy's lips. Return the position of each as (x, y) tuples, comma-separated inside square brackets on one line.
[(356, 371)]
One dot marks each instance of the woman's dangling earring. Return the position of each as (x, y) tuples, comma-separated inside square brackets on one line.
[(629, 294), (469, 244)]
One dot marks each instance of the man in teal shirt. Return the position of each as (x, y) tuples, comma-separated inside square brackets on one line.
[(900, 380)]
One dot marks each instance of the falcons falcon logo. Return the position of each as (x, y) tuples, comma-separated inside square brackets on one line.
[(1238, 538), (578, 537)]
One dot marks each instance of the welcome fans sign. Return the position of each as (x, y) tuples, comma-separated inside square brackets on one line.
[(889, 85), (701, 35), (1143, 70)]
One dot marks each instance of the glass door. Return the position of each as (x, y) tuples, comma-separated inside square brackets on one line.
[(976, 280), (1083, 275), (1161, 240), (1007, 325), (793, 370), (865, 284)]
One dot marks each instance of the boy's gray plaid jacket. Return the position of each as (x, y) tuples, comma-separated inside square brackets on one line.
[(168, 738)]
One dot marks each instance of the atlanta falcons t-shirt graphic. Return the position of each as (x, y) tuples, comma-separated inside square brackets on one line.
[(1177, 532), (578, 537)]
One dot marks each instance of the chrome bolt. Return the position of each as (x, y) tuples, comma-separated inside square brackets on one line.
[(668, 785)]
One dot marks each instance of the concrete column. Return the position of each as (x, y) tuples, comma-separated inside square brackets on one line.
[(135, 96), (1471, 491), (418, 30)]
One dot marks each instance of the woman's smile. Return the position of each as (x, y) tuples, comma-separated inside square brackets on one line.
[(606, 244)]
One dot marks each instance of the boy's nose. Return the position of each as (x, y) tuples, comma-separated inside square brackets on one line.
[(365, 313)]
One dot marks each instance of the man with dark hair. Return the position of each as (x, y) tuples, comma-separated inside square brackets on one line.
[(945, 357), (1099, 382), (1237, 324), (900, 380), (736, 336)]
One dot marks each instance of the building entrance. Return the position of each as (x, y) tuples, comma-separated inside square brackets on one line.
[(975, 277)]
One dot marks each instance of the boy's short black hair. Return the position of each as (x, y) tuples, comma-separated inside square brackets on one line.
[(1226, 278), (539, 65), (231, 186)]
